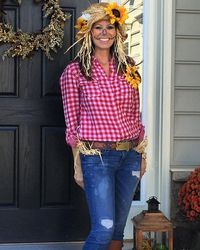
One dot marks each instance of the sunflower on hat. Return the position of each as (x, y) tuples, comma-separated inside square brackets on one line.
[(117, 13)]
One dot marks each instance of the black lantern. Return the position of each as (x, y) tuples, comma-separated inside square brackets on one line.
[(153, 204)]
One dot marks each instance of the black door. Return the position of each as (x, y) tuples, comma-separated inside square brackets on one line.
[(38, 198)]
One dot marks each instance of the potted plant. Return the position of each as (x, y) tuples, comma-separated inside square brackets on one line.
[(189, 196)]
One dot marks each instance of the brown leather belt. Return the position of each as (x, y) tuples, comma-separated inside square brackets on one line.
[(124, 145)]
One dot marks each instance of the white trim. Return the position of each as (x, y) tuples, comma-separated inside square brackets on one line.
[(150, 95), (166, 79), (175, 170)]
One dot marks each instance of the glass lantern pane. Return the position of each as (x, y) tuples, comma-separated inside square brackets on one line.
[(155, 241)]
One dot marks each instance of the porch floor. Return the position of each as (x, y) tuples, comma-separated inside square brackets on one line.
[(51, 246)]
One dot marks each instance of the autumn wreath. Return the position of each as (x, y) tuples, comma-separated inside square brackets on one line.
[(189, 196), (23, 44)]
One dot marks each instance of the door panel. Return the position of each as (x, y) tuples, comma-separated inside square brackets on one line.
[(39, 200)]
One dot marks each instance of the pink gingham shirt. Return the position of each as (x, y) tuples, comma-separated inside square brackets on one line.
[(103, 109)]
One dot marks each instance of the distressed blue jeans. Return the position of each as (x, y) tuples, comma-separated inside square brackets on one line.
[(110, 182)]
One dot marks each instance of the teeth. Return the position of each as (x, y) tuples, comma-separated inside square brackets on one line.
[(104, 39)]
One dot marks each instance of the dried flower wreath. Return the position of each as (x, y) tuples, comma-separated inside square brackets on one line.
[(24, 44)]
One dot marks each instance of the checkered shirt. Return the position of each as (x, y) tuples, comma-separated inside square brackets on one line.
[(103, 109)]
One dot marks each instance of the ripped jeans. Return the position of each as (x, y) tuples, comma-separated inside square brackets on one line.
[(110, 183)]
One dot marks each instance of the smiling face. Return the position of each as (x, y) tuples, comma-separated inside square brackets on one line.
[(103, 34)]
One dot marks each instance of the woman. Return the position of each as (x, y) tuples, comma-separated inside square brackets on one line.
[(101, 106)]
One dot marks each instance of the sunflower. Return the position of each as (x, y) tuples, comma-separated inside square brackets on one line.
[(81, 24), (117, 13), (132, 76)]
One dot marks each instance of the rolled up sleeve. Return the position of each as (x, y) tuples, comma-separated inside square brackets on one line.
[(71, 104)]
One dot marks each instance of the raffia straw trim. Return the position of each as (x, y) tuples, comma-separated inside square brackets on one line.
[(83, 149), (85, 53), (140, 148), (119, 50), (73, 44)]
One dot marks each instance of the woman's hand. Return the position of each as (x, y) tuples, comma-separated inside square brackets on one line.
[(143, 167), (78, 175), (140, 148)]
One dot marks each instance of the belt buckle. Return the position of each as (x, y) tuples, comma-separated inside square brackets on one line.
[(123, 146)]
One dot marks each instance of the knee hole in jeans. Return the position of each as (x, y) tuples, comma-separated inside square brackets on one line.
[(104, 234)]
